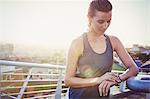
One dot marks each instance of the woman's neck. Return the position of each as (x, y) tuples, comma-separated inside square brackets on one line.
[(93, 36), (93, 33)]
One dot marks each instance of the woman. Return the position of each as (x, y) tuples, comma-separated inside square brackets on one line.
[(90, 58)]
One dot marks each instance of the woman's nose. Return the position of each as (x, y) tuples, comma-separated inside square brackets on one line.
[(105, 25)]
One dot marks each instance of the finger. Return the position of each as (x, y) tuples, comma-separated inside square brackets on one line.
[(114, 74), (100, 88), (104, 88), (112, 78), (115, 78), (107, 89)]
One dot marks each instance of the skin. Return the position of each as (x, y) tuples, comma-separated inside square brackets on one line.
[(98, 25)]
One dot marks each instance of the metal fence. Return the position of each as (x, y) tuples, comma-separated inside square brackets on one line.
[(53, 82)]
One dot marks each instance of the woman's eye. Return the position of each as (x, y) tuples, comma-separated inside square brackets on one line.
[(100, 21)]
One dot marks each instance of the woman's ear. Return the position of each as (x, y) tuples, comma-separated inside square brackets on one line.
[(89, 20)]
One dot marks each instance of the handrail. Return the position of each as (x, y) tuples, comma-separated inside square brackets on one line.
[(45, 80), (34, 65), (23, 74), (4, 88), (37, 91), (116, 71)]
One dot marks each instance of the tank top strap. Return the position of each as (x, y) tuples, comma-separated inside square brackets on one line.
[(85, 43), (109, 43)]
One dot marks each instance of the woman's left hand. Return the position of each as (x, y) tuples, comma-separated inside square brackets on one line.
[(105, 86)]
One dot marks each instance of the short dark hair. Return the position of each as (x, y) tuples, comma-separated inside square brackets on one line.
[(99, 5)]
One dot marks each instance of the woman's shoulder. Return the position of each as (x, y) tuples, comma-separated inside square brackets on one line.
[(114, 40), (77, 45), (78, 40)]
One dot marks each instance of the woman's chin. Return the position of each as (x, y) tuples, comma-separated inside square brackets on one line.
[(101, 31)]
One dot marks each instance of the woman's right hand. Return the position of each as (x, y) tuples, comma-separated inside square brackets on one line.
[(110, 76)]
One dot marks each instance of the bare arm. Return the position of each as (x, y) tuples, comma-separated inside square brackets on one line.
[(125, 58), (74, 53), (131, 67)]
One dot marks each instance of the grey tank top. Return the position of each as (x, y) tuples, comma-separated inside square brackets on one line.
[(92, 64)]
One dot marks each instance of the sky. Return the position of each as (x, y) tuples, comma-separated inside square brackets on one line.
[(55, 23)]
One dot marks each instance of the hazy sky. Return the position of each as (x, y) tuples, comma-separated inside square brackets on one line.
[(55, 23)]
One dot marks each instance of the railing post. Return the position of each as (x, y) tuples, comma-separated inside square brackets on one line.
[(59, 87), (24, 85), (122, 86)]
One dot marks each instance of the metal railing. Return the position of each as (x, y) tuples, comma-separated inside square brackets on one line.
[(56, 80)]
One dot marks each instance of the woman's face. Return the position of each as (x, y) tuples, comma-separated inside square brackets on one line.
[(100, 21)]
